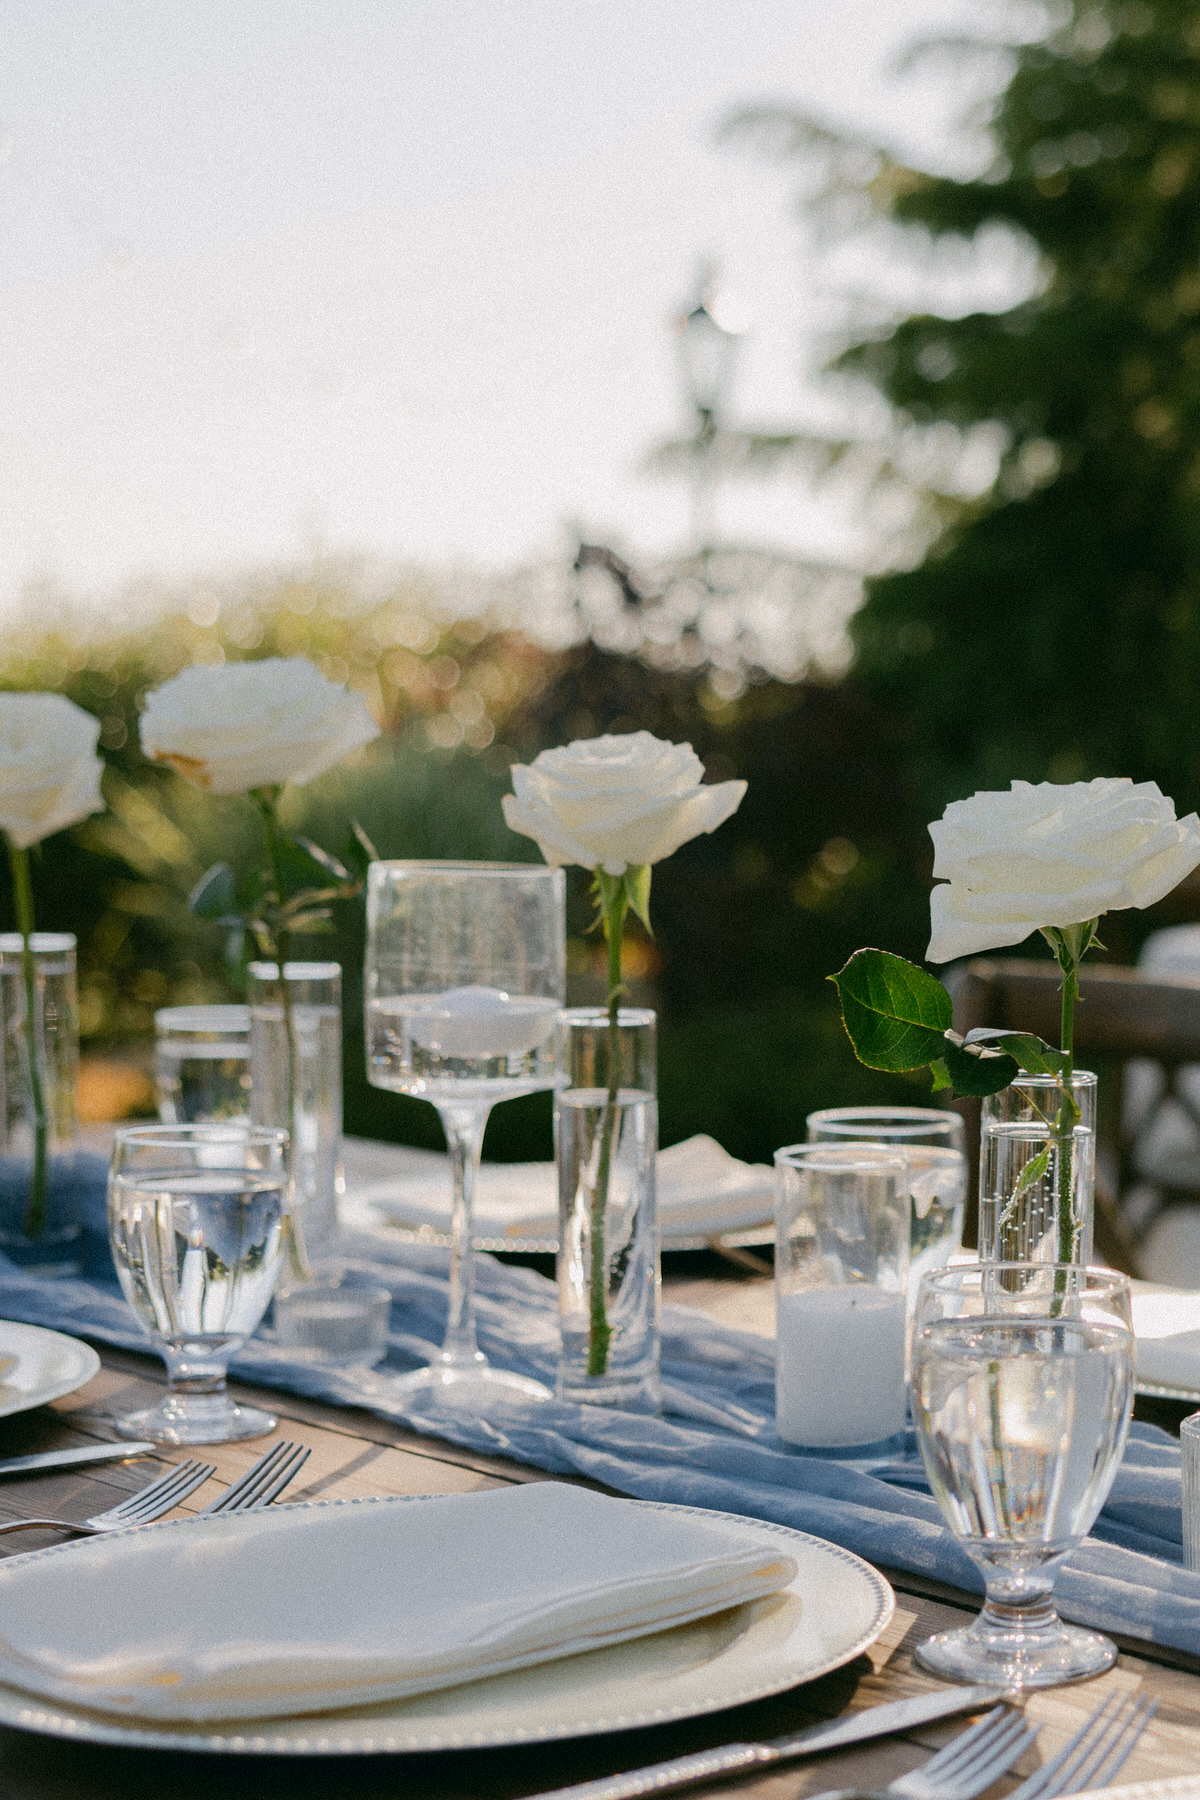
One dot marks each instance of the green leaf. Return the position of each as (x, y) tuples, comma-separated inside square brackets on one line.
[(637, 892), (237, 955), (896, 1015), (359, 851), (1033, 1172), (306, 865), (977, 1071), (215, 895), (1035, 1056)]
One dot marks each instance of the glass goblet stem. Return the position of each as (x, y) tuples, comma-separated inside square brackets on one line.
[(464, 1127)]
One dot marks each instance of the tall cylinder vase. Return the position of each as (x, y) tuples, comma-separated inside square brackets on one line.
[(40, 1226), (1037, 1170), (606, 1136), (296, 1044)]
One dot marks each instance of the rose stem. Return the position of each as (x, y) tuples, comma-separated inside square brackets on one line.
[(296, 1250), (613, 906), (35, 1215)]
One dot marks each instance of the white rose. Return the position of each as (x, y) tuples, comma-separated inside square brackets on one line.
[(614, 803), (49, 770), (236, 726), (1052, 855)]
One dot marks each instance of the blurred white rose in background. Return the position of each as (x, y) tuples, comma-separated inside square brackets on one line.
[(49, 770), (233, 727)]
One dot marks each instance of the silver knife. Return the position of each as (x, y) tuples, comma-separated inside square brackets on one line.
[(67, 1459), (873, 1721)]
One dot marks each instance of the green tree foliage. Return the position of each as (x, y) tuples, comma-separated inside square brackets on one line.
[(1052, 629)]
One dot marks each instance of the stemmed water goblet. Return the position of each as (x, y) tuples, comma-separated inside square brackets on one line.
[(1022, 1388), (465, 976), (195, 1215)]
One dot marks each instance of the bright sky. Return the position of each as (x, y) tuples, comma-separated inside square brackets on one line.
[(395, 276)]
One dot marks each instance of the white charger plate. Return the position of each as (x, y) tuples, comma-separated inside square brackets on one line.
[(49, 1365), (836, 1605)]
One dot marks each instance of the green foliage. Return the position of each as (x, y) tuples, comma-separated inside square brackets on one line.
[(898, 1017), (1053, 629)]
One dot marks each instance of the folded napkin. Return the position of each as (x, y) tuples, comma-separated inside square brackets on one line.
[(314, 1608), (702, 1190), (1166, 1323)]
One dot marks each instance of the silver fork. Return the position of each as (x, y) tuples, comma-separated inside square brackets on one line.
[(262, 1482), (967, 1765), (148, 1503), (1092, 1757)]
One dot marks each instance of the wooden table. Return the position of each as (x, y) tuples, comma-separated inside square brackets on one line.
[(355, 1453)]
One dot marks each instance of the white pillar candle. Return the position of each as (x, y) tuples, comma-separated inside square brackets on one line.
[(839, 1375)]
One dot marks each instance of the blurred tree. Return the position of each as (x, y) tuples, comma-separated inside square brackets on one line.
[(1052, 627)]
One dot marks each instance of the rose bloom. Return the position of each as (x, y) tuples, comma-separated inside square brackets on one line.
[(49, 770), (236, 726), (1048, 855), (614, 803)]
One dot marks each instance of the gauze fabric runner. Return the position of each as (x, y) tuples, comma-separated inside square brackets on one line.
[(307, 1609), (715, 1447)]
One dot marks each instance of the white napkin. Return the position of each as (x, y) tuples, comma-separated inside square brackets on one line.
[(701, 1189), (310, 1609), (1166, 1324)]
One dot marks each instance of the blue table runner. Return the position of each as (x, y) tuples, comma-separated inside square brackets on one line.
[(715, 1447)]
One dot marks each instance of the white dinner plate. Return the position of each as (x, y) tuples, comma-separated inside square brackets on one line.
[(49, 1365), (836, 1605)]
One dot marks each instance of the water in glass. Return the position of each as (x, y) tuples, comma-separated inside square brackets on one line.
[(1022, 1383), (465, 971), (195, 1216)]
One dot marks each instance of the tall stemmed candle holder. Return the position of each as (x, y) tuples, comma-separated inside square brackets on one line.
[(465, 976)]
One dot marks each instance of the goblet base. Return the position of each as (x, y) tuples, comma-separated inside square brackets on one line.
[(196, 1419), (474, 1386), (1017, 1656)]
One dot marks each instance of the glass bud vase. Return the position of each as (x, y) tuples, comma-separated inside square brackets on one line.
[(296, 1044), (1037, 1170), (40, 1224), (606, 1135)]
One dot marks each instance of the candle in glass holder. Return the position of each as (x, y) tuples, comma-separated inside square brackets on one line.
[(841, 1262), (827, 1341)]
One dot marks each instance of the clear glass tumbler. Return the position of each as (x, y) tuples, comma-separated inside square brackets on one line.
[(466, 966), (296, 1084), (40, 1227), (605, 1135), (195, 1216), (1022, 1387), (202, 1064), (841, 1264), (932, 1141), (1037, 1170)]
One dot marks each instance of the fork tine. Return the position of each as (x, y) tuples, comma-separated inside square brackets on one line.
[(1105, 1757), (974, 1759), (965, 1744), (263, 1480), (152, 1501), (286, 1473), (1112, 1730)]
